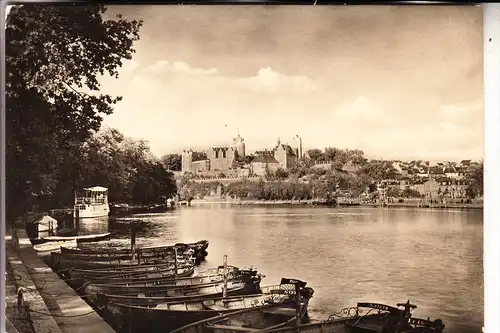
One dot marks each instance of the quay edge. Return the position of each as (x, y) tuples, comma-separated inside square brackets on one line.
[(59, 309)]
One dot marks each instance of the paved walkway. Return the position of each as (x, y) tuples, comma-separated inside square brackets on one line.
[(54, 306), (16, 321)]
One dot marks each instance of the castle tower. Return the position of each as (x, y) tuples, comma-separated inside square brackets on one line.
[(239, 144), (187, 161)]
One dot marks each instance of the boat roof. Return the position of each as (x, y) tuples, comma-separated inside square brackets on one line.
[(96, 189), (45, 219)]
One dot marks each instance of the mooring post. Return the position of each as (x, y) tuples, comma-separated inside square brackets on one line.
[(224, 289), (132, 239), (298, 303), (175, 262)]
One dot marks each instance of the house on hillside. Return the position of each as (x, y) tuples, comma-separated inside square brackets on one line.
[(261, 163)]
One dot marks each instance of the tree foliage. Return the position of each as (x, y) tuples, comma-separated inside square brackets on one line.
[(55, 56), (476, 178), (172, 162)]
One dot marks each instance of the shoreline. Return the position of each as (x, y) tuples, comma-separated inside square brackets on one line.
[(310, 203)]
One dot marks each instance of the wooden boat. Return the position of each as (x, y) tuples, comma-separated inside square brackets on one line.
[(57, 260), (281, 290), (197, 250), (140, 272), (384, 318), (146, 270), (53, 246), (119, 259), (172, 315), (162, 276), (82, 238), (235, 287), (171, 278)]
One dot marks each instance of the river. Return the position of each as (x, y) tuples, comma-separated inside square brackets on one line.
[(434, 258)]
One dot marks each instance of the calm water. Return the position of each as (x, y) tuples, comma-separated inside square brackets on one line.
[(432, 257)]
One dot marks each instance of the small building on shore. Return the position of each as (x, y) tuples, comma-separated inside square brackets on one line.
[(264, 163)]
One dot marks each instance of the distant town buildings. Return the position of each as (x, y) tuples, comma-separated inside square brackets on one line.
[(445, 180), (229, 161)]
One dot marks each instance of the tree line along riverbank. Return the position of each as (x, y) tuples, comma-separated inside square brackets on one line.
[(303, 183)]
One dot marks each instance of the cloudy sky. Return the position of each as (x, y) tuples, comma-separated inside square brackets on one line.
[(397, 82)]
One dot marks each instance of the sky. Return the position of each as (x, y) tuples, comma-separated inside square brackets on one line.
[(399, 82)]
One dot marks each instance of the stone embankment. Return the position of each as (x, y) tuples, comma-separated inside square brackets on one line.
[(45, 300)]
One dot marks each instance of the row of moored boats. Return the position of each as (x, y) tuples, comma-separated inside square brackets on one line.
[(161, 289)]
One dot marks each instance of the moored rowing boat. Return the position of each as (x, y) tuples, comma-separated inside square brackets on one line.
[(59, 261), (172, 278), (368, 318), (278, 303), (53, 246), (196, 250), (178, 292)]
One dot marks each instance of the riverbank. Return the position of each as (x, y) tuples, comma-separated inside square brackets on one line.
[(48, 304), (412, 204)]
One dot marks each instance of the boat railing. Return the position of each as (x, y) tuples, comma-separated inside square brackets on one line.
[(91, 201), (352, 311), (279, 289), (437, 324)]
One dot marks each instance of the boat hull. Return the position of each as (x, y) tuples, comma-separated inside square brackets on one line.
[(92, 211), (175, 292), (197, 249), (58, 261), (264, 317), (53, 246), (169, 278), (79, 239), (141, 271), (151, 319)]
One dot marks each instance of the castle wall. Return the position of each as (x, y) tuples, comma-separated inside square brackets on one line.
[(200, 166), (221, 158), (240, 148), (259, 168), (285, 160), (187, 161)]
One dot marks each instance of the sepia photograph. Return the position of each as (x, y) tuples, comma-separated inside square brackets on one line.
[(244, 168)]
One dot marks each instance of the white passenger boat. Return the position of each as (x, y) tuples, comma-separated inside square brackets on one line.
[(92, 203)]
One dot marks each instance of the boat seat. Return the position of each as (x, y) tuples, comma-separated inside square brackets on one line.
[(374, 327), (216, 307), (280, 311), (234, 328)]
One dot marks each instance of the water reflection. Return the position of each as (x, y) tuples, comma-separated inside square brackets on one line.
[(432, 257)]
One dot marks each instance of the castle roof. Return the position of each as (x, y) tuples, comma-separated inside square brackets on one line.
[(238, 139), (265, 158), (289, 150), (222, 147)]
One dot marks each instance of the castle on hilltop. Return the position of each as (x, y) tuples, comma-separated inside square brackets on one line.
[(224, 160)]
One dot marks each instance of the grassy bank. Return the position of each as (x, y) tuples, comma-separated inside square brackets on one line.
[(413, 204)]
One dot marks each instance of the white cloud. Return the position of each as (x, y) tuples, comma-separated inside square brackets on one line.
[(362, 109), (462, 113), (179, 67), (129, 66), (268, 80), (182, 67)]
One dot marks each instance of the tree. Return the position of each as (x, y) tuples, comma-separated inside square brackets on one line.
[(280, 173), (55, 55), (315, 154), (172, 162), (476, 179), (393, 192), (410, 193)]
